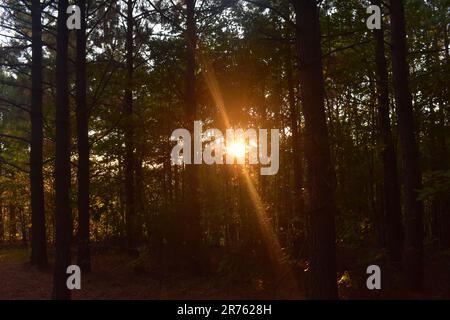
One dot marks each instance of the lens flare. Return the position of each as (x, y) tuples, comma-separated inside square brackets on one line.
[(237, 149)]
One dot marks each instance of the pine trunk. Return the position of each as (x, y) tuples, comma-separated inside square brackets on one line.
[(130, 203), (38, 236), (63, 221), (391, 189), (193, 232), (320, 172), (412, 182)]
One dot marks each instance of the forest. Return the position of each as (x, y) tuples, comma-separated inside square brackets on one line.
[(353, 121)]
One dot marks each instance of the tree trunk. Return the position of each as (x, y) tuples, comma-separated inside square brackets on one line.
[(38, 236), (391, 190), (83, 254), (320, 174), (440, 219), (62, 160), (413, 254), (193, 232), (129, 161), (300, 226), (294, 119)]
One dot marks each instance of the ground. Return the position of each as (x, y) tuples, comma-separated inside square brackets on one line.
[(113, 277)]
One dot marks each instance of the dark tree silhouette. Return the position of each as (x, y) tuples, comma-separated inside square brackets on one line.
[(38, 237), (294, 115), (320, 171), (63, 220), (412, 181), (391, 190), (192, 218), (129, 160)]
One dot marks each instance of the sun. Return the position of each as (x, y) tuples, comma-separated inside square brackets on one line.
[(237, 149)]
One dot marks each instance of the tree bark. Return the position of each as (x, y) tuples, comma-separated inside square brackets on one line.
[(413, 252), (192, 223), (83, 254), (38, 236), (391, 190), (320, 173), (294, 119), (129, 160), (62, 160)]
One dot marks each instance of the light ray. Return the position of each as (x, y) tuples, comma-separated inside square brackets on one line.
[(287, 280)]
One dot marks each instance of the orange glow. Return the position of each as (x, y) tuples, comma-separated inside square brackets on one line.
[(237, 149)]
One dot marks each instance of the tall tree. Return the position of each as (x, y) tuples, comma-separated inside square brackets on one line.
[(129, 160), (38, 237), (63, 220), (192, 223), (294, 122), (391, 189), (412, 180), (320, 172), (83, 257)]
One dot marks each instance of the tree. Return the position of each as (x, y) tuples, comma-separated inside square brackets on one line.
[(192, 218), (63, 222), (391, 190), (320, 171), (130, 197), (38, 237), (412, 181), (294, 122), (83, 257)]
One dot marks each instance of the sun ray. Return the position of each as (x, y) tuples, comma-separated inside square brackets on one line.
[(287, 281)]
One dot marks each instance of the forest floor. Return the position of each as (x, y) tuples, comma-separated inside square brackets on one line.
[(113, 278)]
